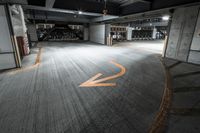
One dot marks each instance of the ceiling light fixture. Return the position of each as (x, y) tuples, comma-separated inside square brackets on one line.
[(165, 18), (80, 12)]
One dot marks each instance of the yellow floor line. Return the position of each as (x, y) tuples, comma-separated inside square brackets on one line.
[(94, 81), (37, 62), (158, 125)]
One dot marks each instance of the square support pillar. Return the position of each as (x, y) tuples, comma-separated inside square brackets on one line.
[(129, 34), (86, 33)]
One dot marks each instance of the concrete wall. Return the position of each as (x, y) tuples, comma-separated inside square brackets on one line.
[(54, 16), (97, 33), (181, 33), (7, 59)]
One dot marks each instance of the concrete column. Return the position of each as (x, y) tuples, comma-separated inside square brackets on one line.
[(129, 34), (86, 33), (181, 34), (107, 34), (194, 55), (154, 33), (32, 32)]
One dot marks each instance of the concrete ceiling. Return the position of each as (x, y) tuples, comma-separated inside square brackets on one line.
[(114, 7), (94, 8)]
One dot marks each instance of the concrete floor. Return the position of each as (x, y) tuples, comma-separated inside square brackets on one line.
[(185, 109), (48, 99)]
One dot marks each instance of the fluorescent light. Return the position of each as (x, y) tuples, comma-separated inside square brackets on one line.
[(165, 18), (80, 12)]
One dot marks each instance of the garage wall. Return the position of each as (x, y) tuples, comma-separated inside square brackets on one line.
[(195, 47), (181, 34), (7, 59), (97, 33)]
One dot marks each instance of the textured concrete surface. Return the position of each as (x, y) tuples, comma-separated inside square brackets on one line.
[(48, 99), (185, 110), (182, 32), (194, 57), (97, 33)]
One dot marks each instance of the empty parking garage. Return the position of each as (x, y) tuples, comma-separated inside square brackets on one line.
[(99, 66)]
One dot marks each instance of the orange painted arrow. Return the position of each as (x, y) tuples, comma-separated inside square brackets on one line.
[(92, 82)]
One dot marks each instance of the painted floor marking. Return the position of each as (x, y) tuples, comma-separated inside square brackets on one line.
[(37, 63), (94, 81)]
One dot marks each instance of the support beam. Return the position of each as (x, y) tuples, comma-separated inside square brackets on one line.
[(104, 18), (49, 3), (60, 10), (86, 33), (58, 18), (14, 1), (128, 2)]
